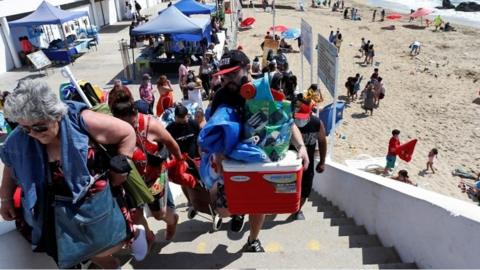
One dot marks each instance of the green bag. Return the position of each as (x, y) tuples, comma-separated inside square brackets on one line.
[(136, 187), (267, 122)]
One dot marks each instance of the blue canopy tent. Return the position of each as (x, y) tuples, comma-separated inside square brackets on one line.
[(47, 14), (190, 7), (172, 21)]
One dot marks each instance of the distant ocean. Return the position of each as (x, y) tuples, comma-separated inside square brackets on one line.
[(465, 18)]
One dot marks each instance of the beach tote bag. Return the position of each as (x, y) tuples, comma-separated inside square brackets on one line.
[(268, 122), (81, 227)]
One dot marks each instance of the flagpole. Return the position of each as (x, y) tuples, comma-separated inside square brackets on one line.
[(273, 12)]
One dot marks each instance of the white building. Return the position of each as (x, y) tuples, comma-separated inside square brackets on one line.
[(101, 13)]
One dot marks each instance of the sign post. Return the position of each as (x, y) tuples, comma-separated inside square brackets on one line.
[(306, 39), (328, 73)]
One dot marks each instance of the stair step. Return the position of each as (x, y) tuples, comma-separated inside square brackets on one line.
[(348, 230), (334, 214), (325, 208), (380, 255), (398, 266), (361, 241), (342, 221), (221, 257)]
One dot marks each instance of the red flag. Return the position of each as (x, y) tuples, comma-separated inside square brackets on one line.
[(405, 151)]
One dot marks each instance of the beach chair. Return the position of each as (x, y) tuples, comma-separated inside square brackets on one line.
[(367, 163)]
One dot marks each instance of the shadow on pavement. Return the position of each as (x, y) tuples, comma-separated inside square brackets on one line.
[(219, 258)]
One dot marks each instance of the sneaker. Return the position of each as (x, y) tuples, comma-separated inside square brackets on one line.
[(254, 246), (236, 223), (299, 215)]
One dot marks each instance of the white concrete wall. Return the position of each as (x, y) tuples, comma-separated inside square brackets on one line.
[(428, 228), (12, 7), (6, 62)]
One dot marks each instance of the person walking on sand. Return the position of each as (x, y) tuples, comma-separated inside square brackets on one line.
[(431, 156), (362, 45), (370, 55), (345, 14), (415, 48), (338, 42), (379, 91), (352, 14), (382, 15), (369, 99), (331, 37), (374, 14), (393, 144)]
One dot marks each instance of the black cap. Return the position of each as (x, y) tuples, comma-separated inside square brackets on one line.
[(231, 61)]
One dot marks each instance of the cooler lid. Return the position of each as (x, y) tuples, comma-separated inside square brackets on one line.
[(291, 162)]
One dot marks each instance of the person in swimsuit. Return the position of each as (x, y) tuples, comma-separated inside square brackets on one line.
[(153, 146)]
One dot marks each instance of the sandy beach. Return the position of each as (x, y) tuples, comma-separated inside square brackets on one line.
[(433, 97)]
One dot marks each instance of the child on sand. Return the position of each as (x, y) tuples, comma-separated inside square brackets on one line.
[(403, 177), (393, 144), (431, 156)]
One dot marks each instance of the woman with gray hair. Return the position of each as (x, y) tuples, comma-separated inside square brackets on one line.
[(52, 157)]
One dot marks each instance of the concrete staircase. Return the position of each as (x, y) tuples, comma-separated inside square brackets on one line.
[(326, 239)]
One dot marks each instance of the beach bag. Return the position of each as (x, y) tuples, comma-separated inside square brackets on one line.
[(267, 121), (80, 227)]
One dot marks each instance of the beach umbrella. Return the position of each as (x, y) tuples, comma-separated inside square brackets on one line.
[(421, 12), (247, 22), (278, 28), (394, 16), (291, 33)]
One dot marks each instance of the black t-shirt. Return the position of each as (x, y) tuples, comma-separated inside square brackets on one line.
[(186, 136), (310, 135)]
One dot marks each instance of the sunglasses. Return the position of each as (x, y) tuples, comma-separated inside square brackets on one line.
[(38, 128)]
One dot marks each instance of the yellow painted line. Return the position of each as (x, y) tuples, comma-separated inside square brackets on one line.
[(273, 247), (201, 247), (313, 245)]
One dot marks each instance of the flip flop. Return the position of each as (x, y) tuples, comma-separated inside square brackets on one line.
[(171, 229)]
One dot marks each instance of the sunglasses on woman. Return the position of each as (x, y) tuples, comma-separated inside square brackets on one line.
[(38, 128)]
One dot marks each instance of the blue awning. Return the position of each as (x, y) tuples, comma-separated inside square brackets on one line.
[(48, 14), (190, 7), (172, 21)]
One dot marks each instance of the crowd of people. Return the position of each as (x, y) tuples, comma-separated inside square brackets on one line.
[(99, 160)]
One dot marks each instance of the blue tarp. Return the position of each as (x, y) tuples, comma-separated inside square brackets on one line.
[(190, 7), (48, 14), (326, 115), (172, 21)]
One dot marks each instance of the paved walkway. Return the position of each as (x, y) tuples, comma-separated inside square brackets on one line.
[(99, 66)]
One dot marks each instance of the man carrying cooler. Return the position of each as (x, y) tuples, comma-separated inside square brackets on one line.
[(234, 67)]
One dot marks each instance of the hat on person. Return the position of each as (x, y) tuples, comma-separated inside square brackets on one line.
[(232, 61), (146, 76), (304, 112)]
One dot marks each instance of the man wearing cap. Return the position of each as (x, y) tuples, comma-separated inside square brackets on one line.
[(234, 67), (313, 131)]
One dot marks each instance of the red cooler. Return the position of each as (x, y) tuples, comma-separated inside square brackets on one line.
[(263, 188)]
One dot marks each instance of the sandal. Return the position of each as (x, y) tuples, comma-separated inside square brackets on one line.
[(171, 229)]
